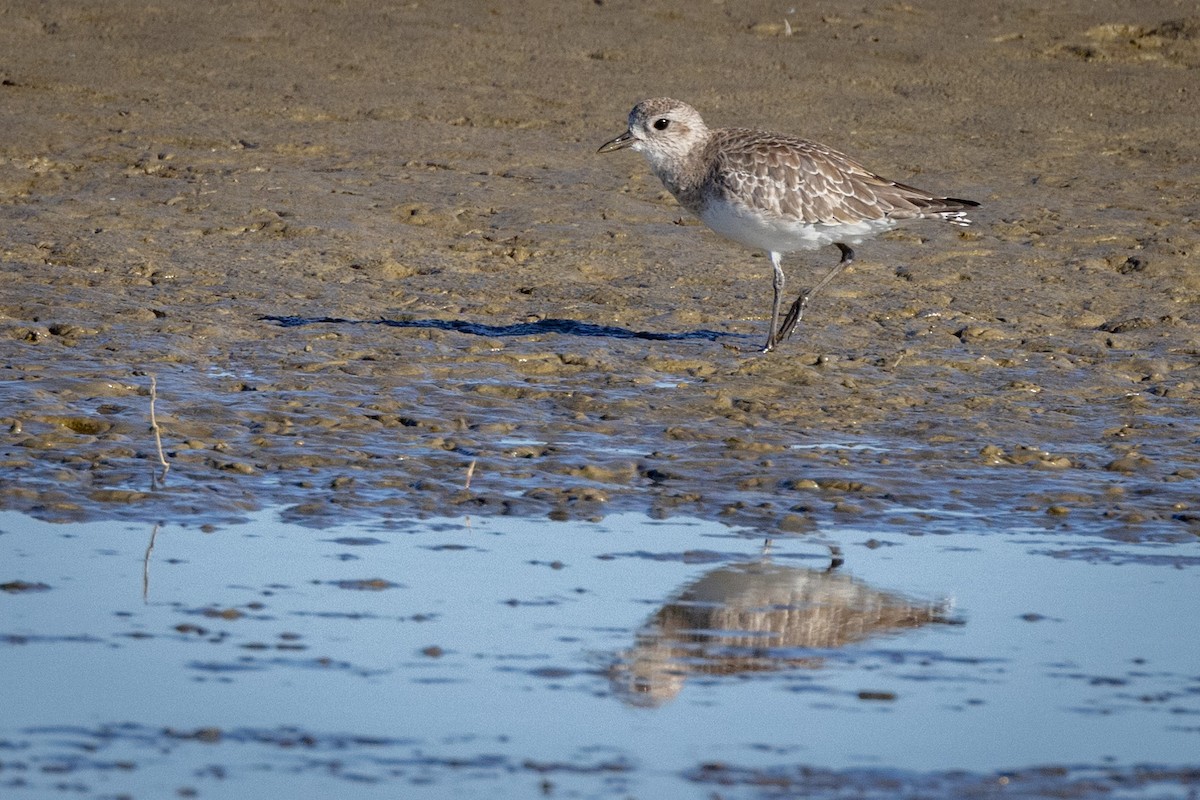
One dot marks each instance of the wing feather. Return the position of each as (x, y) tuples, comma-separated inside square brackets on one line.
[(808, 182)]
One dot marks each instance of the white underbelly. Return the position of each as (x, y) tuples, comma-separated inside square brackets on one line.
[(780, 235)]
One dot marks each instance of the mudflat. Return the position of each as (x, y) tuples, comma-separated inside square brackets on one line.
[(376, 269)]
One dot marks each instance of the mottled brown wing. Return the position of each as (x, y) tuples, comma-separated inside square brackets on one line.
[(809, 182)]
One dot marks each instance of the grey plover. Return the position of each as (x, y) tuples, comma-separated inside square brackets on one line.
[(774, 192)]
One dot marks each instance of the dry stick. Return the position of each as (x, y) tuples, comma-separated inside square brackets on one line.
[(162, 459), (467, 488)]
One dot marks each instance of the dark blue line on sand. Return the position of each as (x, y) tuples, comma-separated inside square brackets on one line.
[(565, 327)]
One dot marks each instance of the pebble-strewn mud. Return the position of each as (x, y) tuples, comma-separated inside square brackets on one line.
[(326, 229)]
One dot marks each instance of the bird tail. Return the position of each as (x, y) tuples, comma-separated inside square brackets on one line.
[(958, 218), (950, 209)]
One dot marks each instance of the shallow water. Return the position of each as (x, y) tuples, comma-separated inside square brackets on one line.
[(630, 657)]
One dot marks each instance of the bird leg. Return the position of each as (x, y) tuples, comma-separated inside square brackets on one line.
[(772, 338), (796, 312)]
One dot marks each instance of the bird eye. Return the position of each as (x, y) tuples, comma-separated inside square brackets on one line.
[(661, 124)]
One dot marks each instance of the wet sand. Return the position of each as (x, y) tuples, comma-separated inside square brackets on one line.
[(362, 249)]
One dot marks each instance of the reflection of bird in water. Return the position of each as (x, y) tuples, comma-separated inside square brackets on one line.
[(753, 617)]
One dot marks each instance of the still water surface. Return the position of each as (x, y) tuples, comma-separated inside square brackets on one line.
[(506, 657)]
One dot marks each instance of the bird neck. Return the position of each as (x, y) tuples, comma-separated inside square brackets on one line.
[(682, 172)]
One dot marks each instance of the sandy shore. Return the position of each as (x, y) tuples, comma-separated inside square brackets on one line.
[(232, 198)]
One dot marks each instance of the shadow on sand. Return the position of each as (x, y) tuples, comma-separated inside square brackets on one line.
[(565, 327)]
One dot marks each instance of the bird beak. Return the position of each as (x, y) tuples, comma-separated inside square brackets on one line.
[(620, 143)]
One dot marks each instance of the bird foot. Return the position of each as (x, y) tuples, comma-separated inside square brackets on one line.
[(793, 317)]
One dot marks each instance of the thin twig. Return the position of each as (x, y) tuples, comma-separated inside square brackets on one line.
[(470, 472), (162, 458)]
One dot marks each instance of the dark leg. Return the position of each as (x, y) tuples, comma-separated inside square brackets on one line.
[(777, 282), (796, 312)]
